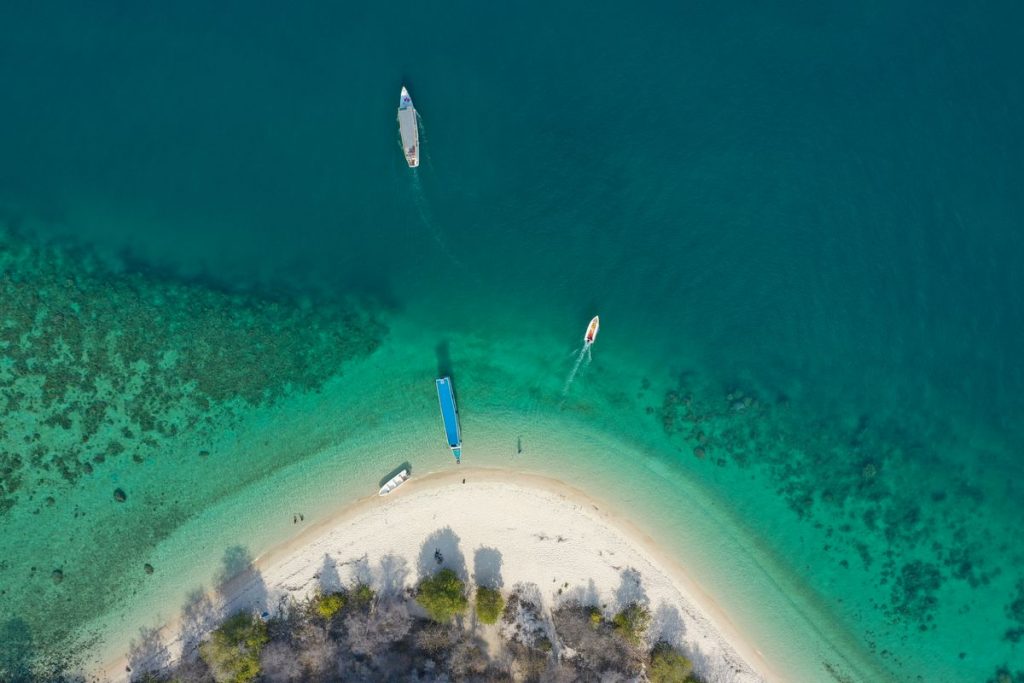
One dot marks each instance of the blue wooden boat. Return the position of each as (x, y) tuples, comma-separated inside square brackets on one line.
[(450, 416)]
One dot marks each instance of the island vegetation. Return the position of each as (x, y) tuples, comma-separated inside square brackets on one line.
[(440, 630)]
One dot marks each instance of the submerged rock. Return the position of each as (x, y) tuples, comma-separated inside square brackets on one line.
[(120, 496), (57, 575), (148, 568)]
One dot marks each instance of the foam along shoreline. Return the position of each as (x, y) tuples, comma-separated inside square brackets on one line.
[(530, 529)]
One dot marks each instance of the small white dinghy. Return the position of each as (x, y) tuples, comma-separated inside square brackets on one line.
[(394, 482)]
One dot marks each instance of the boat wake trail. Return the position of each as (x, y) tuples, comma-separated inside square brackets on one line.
[(583, 353), (423, 209)]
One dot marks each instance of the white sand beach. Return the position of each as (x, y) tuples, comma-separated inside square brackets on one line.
[(498, 527)]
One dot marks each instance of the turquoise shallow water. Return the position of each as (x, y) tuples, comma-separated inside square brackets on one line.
[(222, 289)]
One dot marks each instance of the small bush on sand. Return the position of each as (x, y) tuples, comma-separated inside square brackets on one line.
[(233, 650), (489, 605), (361, 596), (632, 622), (598, 651), (443, 595), (326, 605)]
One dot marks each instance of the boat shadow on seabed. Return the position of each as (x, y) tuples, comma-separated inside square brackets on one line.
[(407, 466)]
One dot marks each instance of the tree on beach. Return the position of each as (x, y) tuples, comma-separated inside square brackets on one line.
[(599, 649), (489, 604), (317, 650), (361, 596), (358, 634), (668, 665), (436, 638), (280, 662), (326, 605), (233, 650), (632, 622), (468, 660), (371, 631), (443, 595)]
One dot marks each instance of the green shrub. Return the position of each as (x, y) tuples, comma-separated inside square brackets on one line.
[(361, 596), (668, 665), (596, 617), (489, 605), (442, 595), (632, 622), (233, 650), (328, 604)]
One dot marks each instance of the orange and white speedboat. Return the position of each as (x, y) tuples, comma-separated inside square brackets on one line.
[(592, 329)]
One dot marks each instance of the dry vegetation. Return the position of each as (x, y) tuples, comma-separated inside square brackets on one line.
[(358, 635)]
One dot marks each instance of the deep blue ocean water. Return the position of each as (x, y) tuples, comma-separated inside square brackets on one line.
[(808, 215)]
